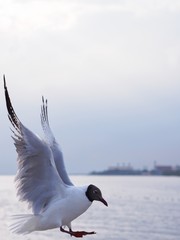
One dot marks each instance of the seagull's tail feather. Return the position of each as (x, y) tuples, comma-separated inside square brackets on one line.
[(24, 223)]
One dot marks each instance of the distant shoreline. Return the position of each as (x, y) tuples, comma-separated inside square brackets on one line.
[(153, 172)]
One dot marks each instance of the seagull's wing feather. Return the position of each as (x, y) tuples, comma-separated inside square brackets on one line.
[(38, 181), (57, 153)]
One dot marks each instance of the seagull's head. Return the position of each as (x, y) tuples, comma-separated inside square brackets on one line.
[(94, 193)]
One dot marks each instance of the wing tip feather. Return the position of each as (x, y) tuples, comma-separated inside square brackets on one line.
[(11, 113)]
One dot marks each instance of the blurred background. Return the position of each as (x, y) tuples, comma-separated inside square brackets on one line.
[(110, 71)]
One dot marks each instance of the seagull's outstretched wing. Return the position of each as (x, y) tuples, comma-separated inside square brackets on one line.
[(38, 181), (57, 153)]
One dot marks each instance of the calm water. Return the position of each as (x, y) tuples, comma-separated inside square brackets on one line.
[(140, 208)]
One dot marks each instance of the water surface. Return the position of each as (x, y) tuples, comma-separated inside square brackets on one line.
[(140, 208)]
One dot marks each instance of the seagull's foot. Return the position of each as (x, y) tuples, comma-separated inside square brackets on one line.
[(78, 234)]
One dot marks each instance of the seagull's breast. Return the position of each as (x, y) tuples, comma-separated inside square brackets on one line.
[(74, 204), (63, 211)]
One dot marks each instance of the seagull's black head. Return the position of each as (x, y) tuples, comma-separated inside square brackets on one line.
[(94, 193)]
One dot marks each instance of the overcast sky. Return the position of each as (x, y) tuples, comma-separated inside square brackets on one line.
[(110, 71)]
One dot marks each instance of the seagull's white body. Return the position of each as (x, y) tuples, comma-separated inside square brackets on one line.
[(42, 180), (61, 212)]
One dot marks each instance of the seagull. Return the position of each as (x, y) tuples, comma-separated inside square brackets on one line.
[(42, 180)]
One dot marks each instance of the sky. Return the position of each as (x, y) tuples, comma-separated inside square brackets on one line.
[(110, 71)]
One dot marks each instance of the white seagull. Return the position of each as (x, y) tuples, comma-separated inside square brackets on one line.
[(42, 180)]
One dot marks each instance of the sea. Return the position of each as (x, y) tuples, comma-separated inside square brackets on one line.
[(140, 208)]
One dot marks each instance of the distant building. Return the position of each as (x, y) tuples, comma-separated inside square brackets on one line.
[(163, 169), (177, 168), (121, 168)]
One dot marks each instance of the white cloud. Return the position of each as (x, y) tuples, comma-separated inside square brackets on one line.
[(25, 17)]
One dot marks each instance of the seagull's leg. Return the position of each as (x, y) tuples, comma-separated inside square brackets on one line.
[(65, 231), (78, 234)]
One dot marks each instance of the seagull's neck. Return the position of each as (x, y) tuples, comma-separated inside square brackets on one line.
[(88, 195)]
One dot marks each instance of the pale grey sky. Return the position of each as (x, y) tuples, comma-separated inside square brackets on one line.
[(110, 71)]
